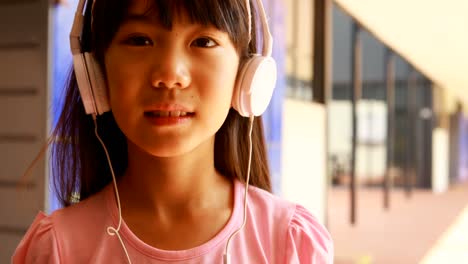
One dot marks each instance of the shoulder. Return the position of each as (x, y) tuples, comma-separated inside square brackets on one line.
[(39, 244), (305, 239), (85, 212), (267, 200), (308, 240), (49, 238), (268, 207)]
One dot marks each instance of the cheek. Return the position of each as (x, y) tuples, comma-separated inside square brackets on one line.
[(222, 79), (121, 82)]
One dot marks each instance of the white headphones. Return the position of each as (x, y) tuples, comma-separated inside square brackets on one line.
[(252, 92)]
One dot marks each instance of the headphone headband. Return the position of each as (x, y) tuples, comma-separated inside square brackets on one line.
[(267, 38), (77, 28), (78, 22)]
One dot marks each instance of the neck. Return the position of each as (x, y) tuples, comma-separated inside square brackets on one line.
[(165, 185)]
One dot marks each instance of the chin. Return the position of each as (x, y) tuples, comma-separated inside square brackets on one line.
[(168, 149), (174, 145)]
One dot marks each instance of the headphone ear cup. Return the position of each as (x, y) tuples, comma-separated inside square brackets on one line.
[(98, 84), (91, 84), (254, 86), (81, 73)]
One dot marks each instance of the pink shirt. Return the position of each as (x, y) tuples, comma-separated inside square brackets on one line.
[(277, 231)]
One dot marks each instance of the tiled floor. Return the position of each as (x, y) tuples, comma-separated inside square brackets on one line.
[(426, 226), (452, 247)]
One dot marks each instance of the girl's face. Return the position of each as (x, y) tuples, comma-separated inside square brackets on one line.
[(170, 90)]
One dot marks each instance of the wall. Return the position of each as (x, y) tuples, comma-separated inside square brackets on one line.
[(24, 78), (440, 160), (304, 179), (463, 147), (273, 116)]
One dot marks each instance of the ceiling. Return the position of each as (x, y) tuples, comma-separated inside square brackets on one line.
[(431, 34)]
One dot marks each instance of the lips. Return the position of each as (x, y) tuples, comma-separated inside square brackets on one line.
[(164, 115), (159, 113), (170, 107)]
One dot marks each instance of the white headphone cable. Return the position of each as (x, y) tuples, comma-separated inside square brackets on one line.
[(115, 231), (110, 229), (226, 256)]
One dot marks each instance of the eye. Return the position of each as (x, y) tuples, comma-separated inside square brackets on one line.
[(138, 40), (204, 42)]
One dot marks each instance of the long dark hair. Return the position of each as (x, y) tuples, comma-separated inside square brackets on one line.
[(79, 164)]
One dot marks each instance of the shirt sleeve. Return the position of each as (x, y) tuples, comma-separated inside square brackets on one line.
[(39, 244), (308, 242)]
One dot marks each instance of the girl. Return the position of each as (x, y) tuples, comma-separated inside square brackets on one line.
[(162, 177)]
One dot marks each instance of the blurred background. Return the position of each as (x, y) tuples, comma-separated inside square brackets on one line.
[(368, 125)]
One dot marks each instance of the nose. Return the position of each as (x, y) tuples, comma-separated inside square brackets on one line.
[(171, 70)]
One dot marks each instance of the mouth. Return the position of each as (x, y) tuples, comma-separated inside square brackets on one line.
[(165, 114), (161, 118)]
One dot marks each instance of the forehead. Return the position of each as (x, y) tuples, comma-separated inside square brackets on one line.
[(226, 15), (142, 7), (162, 12)]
